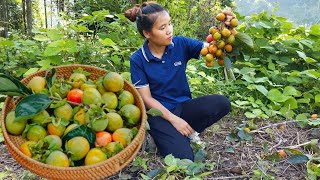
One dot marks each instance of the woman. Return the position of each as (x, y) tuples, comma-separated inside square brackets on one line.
[(158, 73)]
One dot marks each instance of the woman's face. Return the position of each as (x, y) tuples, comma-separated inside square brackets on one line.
[(162, 30)]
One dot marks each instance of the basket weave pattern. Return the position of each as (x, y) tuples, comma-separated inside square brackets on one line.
[(95, 171)]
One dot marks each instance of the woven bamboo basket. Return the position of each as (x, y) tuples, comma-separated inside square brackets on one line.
[(96, 171)]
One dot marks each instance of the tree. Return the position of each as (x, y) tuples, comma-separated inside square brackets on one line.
[(24, 16), (29, 17), (60, 4), (3, 19), (45, 13)]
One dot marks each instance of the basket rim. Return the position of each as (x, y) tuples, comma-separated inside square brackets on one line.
[(135, 140)]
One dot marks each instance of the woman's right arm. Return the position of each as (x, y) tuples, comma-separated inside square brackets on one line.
[(181, 125)]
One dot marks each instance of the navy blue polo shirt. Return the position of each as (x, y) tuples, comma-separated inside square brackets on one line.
[(166, 77)]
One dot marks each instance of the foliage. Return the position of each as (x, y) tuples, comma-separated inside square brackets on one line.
[(89, 6), (175, 168), (300, 12), (108, 46), (278, 77)]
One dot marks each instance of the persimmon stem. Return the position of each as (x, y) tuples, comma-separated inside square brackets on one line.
[(70, 102)]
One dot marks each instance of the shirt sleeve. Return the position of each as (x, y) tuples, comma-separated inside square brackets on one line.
[(193, 47), (138, 75)]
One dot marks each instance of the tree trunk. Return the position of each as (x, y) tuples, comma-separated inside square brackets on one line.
[(45, 13), (60, 5), (29, 17), (24, 16), (4, 22)]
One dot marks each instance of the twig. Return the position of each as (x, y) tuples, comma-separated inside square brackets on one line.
[(70, 102), (276, 124), (296, 146), (232, 177), (276, 145)]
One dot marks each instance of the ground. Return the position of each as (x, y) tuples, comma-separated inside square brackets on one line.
[(230, 160)]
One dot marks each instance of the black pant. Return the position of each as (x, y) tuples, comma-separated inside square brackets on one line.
[(200, 113)]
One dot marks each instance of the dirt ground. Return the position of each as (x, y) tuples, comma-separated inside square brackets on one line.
[(231, 160)]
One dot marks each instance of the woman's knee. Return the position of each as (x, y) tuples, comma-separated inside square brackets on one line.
[(221, 102)]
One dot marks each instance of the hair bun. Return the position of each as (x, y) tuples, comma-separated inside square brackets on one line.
[(132, 13)]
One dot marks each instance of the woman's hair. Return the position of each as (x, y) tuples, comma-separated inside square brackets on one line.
[(144, 15)]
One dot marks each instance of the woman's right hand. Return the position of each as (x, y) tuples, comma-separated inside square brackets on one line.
[(182, 126)]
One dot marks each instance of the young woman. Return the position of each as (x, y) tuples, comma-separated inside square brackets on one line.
[(158, 73)]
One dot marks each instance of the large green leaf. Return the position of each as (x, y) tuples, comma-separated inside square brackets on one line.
[(291, 103), (54, 34), (31, 105), (317, 98), (12, 86), (107, 42), (277, 96), (291, 91), (245, 38), (299, 158), (83, 131), (315, 30)]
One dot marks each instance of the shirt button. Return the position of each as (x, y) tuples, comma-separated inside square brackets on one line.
[(165, 53), (163, 61)]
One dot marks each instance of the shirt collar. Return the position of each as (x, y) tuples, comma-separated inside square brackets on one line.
[(147, 53)]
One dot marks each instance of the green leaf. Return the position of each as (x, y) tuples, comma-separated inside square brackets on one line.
[(83, 131), (204, 174), (301, 117), (30, 71), (4, 175), (154, 112), (230, 149), (54, 34), (245, 38), (243, 135), (144, 177), (31, 105), (299, 158), (270, 49), (50, 78), (315, 30), (169, 160), (44, 63), (302, 55), (41, 38), (195, 168), (313, 168), (277, 96), (317, 98), (200, 155), (7, 43), (265, 24), (262, 89), (310, 60), (171, 168), (153, 173), (314, 123), (12, 86), (291, 91), (250, 115), (51, 51), (304, 100), (107, 42), (291, 103), (71, 46), (1, 135)]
